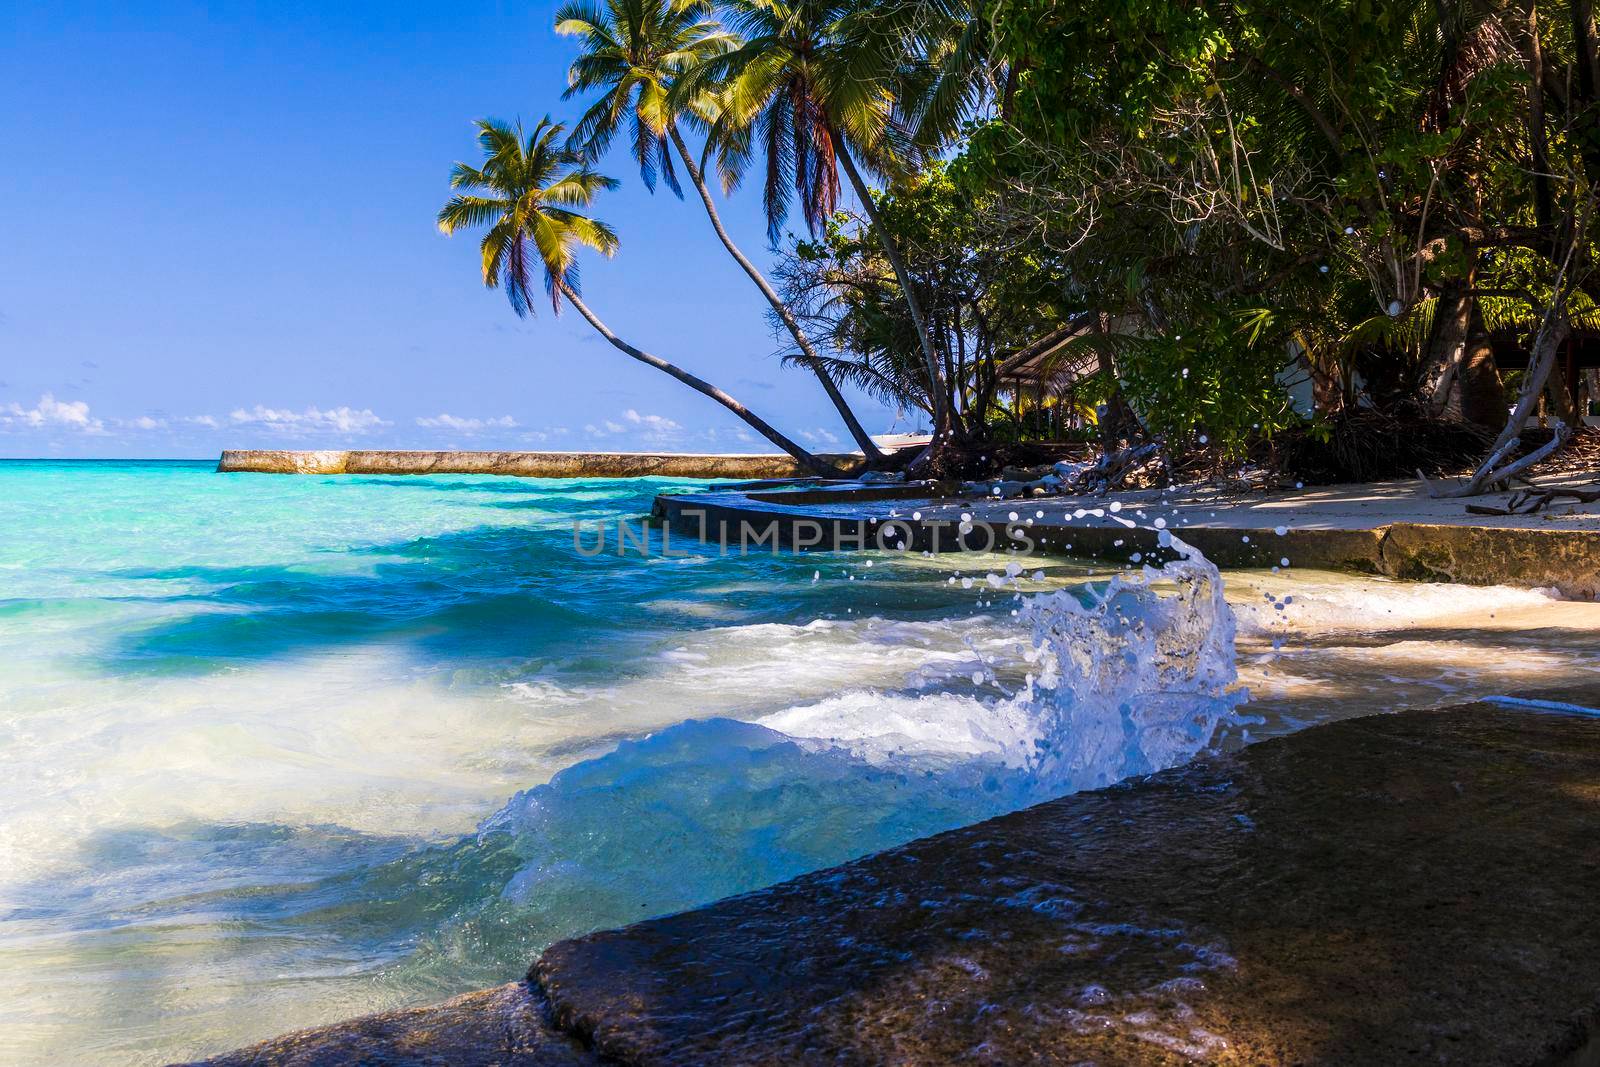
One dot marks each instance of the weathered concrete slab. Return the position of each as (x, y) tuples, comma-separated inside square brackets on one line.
[(522, 464), (500, 1027), (1381, 529), (1418, 887), (1565, 559)]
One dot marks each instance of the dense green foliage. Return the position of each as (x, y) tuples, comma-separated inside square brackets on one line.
[(981, 300), (1321, 172), (1163, 212)]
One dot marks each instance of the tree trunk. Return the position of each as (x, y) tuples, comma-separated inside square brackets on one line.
[(863, 440), (755, 422), (1118, 421), (1586, 52), (1558, 392), (1327, 388), (1452, 316), (936, 383), (1482, 393), (1553, 332), (1538, 139)]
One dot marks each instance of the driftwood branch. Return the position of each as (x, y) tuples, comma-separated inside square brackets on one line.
[(1489, 476), (1554, 328), (1113, 469), (1531, 501)]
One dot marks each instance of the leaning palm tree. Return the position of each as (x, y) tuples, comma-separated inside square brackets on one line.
[(812, 88), (525, 193), (633, 52)]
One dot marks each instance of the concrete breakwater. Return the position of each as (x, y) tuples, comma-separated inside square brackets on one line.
[(1385, 529), (1407, 887), (522, 464)]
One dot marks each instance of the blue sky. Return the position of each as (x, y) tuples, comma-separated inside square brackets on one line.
[(218, 233)]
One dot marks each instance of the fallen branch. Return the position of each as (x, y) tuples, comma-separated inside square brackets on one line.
[(1115, 468), (1555, 327), (1532, 501), (1489, 475)]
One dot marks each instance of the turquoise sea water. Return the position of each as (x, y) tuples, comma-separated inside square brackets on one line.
[(276, 751), (250, 726)]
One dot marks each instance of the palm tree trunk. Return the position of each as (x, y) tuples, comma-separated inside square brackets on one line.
[(1452, 318), (936, 382), (755, 422), (1538, 139), (863, 440), (1482, 393)]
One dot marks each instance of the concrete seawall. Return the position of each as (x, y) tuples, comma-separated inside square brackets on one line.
[(522, 464), (1384, 529)]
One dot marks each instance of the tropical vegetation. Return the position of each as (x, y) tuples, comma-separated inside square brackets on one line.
[(526, 192), (1131, 220)]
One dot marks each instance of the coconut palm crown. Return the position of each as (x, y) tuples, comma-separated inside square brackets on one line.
[(808, 87), (525, 192), (814, 88), (632, 52)]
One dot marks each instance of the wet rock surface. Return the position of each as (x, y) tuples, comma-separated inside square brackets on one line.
[(1567, 560), (1417, 887), (505, 1026), (1410, 888)]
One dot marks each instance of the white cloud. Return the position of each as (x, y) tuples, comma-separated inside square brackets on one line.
[(455, 422), (145, 422), (208, 421), (52, 413), (819, 436), (658, 423), (311, 420), (638, 426)]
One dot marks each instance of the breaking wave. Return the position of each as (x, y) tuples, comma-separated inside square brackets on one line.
[(1105, 681)]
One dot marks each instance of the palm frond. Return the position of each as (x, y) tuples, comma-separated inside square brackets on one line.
[(470, 211), (531, 224)]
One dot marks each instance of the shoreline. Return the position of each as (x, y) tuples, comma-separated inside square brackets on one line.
[(1388, 529), (1052, 928)]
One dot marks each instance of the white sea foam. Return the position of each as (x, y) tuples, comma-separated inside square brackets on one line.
[(1123, 679), (1325, 603)]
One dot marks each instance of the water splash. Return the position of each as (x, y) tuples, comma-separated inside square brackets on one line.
[(1132, 679), (1123, 678)]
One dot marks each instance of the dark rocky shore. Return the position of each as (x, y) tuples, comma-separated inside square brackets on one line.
[(1417, 887)]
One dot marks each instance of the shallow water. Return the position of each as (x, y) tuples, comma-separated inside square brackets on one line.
[(277, 751)]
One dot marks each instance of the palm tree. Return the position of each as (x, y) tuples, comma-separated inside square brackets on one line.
[(525, 193), (954, 71), (633, 51), (813, 85)]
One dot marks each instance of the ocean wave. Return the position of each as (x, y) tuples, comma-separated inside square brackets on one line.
[(1122, 678)]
